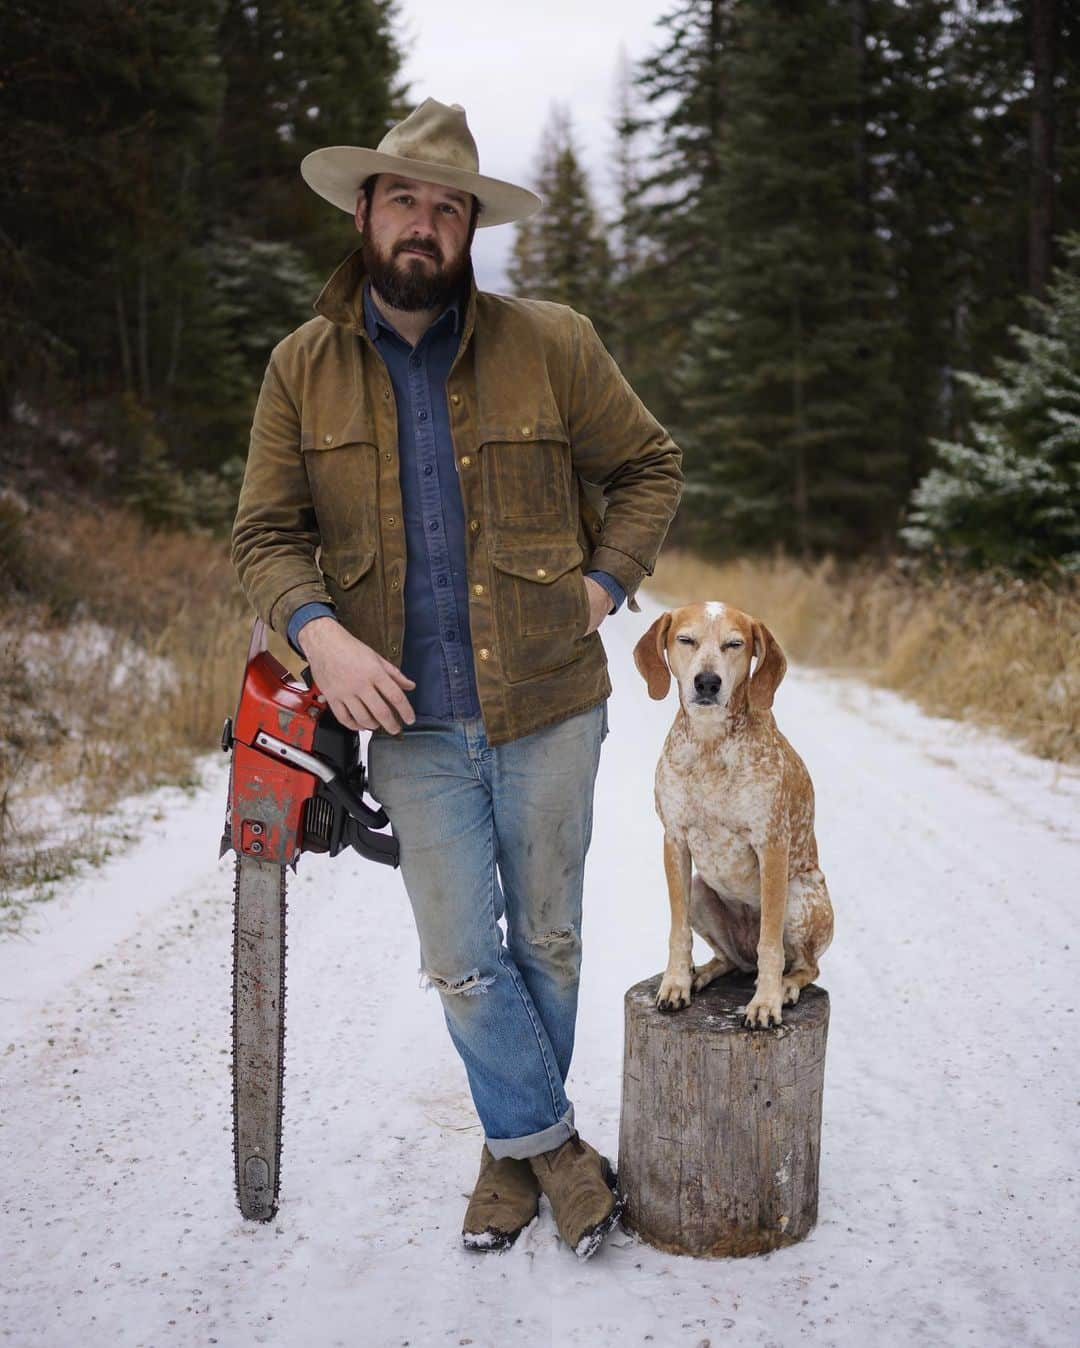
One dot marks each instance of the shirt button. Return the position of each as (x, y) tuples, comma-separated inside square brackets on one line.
[(427, 470), (457, 670), (474, 525), (442, 580), (484, 653), (328, 439), (414, 361), (422, 416), (451, 636), (465, 460), (434, 524), (478, 589)]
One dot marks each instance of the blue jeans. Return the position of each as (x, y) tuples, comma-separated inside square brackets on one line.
[(460, 809)]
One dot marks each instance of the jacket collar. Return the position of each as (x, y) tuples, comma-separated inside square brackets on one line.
[(341, 299)]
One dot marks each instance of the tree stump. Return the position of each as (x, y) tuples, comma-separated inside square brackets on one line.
[(720, 1132)]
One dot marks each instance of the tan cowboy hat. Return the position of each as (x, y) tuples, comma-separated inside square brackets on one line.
[(433, 144)]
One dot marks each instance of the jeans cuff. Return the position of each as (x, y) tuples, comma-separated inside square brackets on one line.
[(534, 1143)]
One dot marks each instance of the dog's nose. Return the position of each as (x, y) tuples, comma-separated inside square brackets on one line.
[(706, 684)]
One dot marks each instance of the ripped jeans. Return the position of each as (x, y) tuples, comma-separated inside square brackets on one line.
[(486, 832)]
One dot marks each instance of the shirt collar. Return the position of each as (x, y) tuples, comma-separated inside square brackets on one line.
[(374, 320)]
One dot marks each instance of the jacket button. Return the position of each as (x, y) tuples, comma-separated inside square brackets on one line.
[(386, 393), (393, 649), (526, 430), (346, 577), (390, 519), (474, 525), (328, 439), (465, 460), (478, 589), (598, 527), (484, 653), (455, 398), (395, 584), (541, 572), (387, 455)]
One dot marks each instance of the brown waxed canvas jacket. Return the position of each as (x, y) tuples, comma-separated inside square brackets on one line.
[(561, 468)]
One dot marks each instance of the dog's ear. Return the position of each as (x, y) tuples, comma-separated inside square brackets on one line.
[(650, 656), (771, 667)]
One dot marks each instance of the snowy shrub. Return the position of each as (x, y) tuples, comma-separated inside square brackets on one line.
[(1012, 498)]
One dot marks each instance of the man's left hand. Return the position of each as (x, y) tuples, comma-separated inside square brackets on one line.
[(599, 603)]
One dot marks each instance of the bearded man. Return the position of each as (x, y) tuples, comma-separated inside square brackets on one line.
[(483, 488)]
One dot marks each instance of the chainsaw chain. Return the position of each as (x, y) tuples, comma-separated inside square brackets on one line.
[(281, 1041)]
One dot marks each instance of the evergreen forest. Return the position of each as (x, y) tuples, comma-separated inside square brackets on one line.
[(843, 267), (838, 255)]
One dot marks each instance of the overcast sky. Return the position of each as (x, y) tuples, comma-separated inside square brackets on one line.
[(505, 63)]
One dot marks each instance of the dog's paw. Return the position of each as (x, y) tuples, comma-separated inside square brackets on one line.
[(674, 992), (763, 1011), (791, 992)]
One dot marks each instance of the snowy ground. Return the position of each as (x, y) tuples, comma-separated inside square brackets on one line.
[(948, 1171)]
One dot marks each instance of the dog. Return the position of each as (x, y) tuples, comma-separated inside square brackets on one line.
[(737, 806)]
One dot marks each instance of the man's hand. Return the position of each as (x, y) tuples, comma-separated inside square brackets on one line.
[(599, 603), (363, 690)]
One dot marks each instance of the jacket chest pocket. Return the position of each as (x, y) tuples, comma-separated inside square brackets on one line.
[(542, 608), (341, 458), (529, 473)]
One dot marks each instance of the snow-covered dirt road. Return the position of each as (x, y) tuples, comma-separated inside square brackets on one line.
[(949, 1188)]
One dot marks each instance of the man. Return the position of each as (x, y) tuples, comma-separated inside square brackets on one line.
[(434, 442)]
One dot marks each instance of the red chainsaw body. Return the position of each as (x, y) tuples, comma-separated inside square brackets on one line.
[(268, 796)]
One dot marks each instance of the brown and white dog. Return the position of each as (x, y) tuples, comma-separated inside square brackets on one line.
[(737, 806)]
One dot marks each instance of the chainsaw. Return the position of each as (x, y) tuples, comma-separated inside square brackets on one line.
[(296, 783)]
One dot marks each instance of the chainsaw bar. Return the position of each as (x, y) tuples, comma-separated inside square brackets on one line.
[(258, 1059)]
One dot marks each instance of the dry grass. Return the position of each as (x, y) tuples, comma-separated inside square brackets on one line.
[(121, 651), (122, 648), (1001, 653)]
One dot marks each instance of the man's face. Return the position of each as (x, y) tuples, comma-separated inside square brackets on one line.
[(416, 241)]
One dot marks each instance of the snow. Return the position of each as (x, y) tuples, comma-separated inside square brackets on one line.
[(948, 1175)]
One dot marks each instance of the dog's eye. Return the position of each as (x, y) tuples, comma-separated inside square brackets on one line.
[(732, 645), (687, 641)]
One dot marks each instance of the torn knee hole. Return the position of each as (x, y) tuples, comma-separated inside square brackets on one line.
[(467, 984), (559, 936)]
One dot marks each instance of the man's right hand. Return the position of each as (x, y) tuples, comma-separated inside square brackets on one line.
[(362, 689)]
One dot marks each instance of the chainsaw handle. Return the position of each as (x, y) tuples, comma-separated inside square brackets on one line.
[(354, 806), (259, 640)]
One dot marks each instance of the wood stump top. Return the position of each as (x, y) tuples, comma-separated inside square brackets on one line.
[(715, 1010)]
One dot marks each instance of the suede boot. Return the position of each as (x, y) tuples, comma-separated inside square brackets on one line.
[(504, 1202), (580, 1185)]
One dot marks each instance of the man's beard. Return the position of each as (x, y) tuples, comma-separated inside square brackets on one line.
[(414, 285)]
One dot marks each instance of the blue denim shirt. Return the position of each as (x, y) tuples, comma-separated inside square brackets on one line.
[(438, 650)]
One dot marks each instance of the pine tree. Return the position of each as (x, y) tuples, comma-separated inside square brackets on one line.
[(674, 216), (1012, 497), (788, 422), (158, 236), (562, 253), (299, 74), (107, 108)]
